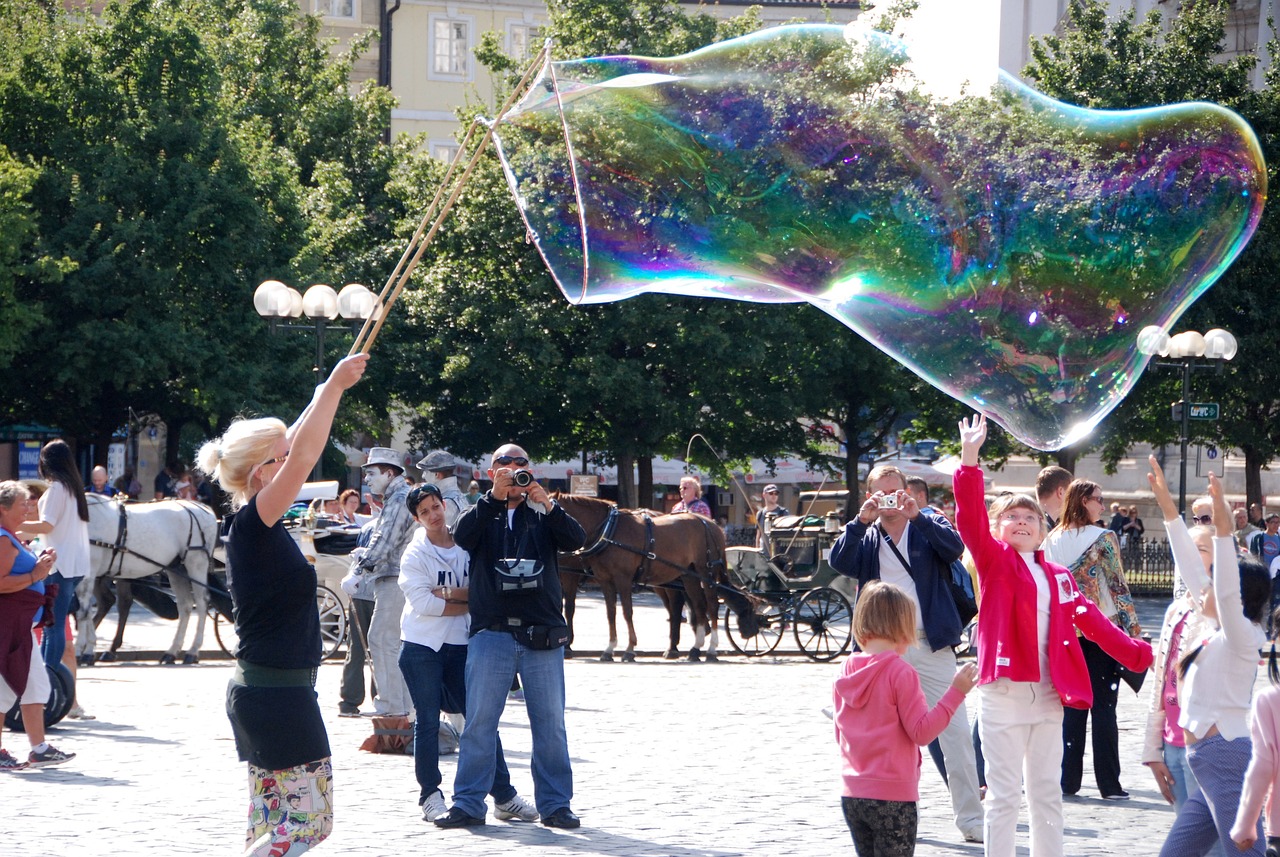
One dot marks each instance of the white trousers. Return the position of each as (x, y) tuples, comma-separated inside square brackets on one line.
[(936, 671), (384, 646), (1021, 729)]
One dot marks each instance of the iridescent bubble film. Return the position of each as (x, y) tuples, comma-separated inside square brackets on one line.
[(1004, 246)]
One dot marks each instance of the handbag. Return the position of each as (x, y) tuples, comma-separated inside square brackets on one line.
[(962, 593)]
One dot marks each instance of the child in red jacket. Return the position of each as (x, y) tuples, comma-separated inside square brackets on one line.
[(1029, 659), (882, 720)]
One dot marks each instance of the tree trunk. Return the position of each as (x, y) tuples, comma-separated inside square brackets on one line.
[(1253, 478), (172, 431), (1066, 458), (626, 481), (644, 488), (851, 453)]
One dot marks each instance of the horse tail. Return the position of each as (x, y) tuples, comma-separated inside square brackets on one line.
[(717, 572)]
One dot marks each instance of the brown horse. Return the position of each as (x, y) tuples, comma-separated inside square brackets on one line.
[(629, 546)]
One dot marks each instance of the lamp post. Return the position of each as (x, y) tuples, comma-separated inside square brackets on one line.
[(1183, 351), (275, 302)]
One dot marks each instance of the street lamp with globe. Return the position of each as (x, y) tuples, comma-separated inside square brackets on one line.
[(1185, 351), (277, 302)]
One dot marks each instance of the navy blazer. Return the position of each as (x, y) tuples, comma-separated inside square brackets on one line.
[(932, 546)]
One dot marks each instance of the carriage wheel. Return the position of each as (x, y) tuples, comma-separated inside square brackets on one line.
[(823, 624), (61, 698), (333, 621), (224, 631), (770, 619)]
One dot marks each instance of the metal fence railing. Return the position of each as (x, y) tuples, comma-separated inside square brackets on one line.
[(1148, 566)]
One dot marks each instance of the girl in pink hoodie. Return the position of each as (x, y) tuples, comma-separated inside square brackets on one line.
[(882, 721)]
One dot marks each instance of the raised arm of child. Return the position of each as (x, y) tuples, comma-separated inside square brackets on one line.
[(1186, 558)]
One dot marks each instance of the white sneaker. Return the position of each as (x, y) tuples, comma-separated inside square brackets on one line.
[(516, 809), (434, 806)]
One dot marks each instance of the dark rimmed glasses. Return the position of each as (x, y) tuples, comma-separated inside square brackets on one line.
[(507, 460)]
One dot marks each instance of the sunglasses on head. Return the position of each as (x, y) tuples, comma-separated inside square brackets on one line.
[(518, 461)]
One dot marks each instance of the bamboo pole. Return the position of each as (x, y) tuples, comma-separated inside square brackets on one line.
[(432, 220)]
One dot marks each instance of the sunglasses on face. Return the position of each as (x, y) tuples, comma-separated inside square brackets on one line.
[(505, 460), (284, 457), (1202, 519)]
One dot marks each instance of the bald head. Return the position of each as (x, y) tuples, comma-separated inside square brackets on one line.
[(507, 450)]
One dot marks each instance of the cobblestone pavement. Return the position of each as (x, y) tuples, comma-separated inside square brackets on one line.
[(671, 759)]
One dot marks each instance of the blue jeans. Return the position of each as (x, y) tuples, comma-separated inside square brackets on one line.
[(55, 638), (436, 682), (1184, 782), (493, 659)]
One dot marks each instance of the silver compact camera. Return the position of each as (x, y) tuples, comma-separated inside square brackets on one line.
[(888, 501), (523, 478)]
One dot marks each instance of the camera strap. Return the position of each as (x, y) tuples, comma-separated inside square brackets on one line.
[(521, 543), (906, 566)]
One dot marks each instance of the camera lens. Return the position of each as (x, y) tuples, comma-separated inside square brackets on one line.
[(522, 478)]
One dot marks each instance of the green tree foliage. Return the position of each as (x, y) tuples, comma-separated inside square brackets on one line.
[(187, 151)]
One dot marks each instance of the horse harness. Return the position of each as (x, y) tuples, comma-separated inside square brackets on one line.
[(648, 555), (120, 548)]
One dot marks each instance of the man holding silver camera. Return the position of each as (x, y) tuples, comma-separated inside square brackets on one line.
[(513, 534), (891, 540)]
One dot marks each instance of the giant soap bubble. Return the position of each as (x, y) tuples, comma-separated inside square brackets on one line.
[(1005, 247)]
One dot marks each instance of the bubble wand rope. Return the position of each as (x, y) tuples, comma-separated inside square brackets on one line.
[(424, 233)]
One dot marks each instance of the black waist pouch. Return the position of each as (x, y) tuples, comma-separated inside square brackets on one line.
[(542, 637)]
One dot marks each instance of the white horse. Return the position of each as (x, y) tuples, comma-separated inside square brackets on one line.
[(128, 541)]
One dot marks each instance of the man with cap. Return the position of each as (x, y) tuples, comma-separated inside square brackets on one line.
[(439, 468), (380, 563), (766, 516)]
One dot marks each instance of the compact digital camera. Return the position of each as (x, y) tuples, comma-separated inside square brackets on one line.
[(888, 501), (523, 478)]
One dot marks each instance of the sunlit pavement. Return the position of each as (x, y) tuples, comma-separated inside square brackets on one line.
[(670, 758)]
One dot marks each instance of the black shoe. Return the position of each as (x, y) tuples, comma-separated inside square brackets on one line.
[(457, 818), (562, 817), (348, 711), (1120, 795)]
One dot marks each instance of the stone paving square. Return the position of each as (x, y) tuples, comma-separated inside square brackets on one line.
[(671, 759)]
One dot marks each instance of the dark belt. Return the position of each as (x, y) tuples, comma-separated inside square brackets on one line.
[(507, 626), (255, 675)]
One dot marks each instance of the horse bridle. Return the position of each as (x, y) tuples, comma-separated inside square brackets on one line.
[(648, 555), (120, 548)]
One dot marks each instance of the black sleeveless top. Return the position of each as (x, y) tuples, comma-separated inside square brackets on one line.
[(273, 589)]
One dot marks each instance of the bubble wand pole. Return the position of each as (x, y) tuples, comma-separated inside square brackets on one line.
[(432, 220)]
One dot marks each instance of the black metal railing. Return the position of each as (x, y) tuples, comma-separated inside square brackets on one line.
[(1148, 566)]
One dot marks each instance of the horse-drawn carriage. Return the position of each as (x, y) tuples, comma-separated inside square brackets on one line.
[(794, 588), (168, 555)]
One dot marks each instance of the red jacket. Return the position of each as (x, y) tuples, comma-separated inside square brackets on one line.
[(1007, 639)]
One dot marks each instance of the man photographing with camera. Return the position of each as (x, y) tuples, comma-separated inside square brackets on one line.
[(891, 539), (512, 535)]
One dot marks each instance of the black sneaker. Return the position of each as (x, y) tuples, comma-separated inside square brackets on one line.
[(1121, 795), (457, 818), (562, 818), (51, 756)]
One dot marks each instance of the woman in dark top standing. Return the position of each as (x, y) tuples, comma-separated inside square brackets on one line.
[(271, 699)]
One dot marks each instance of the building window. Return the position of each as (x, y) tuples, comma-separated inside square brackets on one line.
[(450, 47), (335, 8), (444, 151), (524, 40)]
